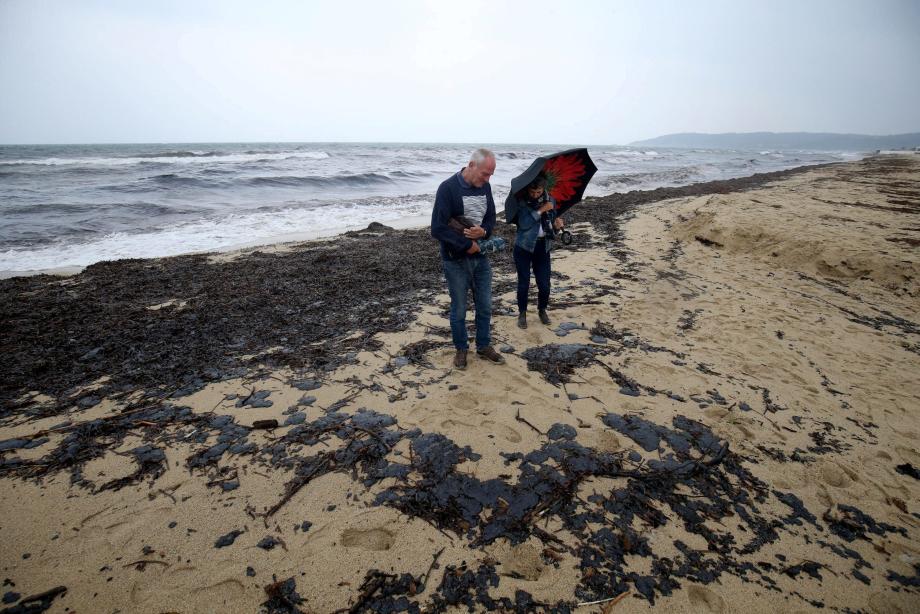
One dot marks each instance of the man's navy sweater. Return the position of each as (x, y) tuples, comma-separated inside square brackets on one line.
[(457, 197)]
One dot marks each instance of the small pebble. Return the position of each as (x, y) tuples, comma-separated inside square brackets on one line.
[(228, 539), (230, 485)]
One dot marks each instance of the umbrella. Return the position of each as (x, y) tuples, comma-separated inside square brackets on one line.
[(567, 175)]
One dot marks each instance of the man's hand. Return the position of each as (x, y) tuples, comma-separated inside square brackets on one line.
[(474, 248), (558, 223), (474, 232), (546, 207)]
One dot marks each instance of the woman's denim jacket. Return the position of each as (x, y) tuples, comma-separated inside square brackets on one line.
[(528, 223)]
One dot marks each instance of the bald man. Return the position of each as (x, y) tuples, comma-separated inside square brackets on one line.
[(468, 193)]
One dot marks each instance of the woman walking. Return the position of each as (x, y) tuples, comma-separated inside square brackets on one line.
[(537, 222)]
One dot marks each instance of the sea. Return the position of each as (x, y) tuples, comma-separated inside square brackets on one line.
[(68, 206)]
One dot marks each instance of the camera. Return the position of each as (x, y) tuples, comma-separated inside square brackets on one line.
[(548, 231)]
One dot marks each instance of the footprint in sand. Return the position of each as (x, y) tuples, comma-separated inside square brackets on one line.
[(836, 476), (157, 582), (705, 600), (370, 539), (608, 442), (452, 424), (522, 561), (908, 455), (464, 401), (889, 603), (502, 430), (226, 591)]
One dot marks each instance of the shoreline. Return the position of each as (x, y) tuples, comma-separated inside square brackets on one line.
[(284, 242), (192, 285), (719, 418)]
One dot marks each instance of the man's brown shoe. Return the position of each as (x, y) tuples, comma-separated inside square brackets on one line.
[(491, 355), (460, 359)]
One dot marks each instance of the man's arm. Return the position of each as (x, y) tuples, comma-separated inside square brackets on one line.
[(440, 215)]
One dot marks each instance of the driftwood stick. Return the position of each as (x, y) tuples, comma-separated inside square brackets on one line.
[(612, 600), (517, 417)]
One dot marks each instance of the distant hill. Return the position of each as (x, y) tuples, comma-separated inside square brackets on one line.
[(785, 140)]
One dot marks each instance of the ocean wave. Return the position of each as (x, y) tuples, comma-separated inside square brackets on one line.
[(651, 179), (162, 182), (178, 157), (208, 180), (631, 155), (172, 179), (48, 209), (359, 179), (181, 154), (410, 174), (124, 210), (259, 228)]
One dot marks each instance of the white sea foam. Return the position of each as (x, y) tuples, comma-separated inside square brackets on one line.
[(235, 230), (197, 158)]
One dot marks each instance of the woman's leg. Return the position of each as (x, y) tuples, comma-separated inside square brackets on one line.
[(541, 272), (522, 260)]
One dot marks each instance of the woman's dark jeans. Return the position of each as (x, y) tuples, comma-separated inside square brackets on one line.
[(539, 262)]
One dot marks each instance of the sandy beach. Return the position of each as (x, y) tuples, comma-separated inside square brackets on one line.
[(723, 416)]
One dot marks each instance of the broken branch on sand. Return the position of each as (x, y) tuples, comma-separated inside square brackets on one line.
[(611, 601), (517, 416)]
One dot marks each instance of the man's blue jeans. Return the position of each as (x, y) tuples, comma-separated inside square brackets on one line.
[(472, 272)]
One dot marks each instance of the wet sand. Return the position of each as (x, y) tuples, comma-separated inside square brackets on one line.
[(723, 415)]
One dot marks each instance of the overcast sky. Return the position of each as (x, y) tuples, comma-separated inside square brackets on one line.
[(590, 72)]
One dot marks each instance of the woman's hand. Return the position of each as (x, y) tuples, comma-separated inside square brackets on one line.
[(546, 207), (558, 224)]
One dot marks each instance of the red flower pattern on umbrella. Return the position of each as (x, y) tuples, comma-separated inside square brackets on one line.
[(563, 176), (567, 175)]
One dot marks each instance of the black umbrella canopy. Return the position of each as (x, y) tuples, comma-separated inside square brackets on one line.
[(567, 175)]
